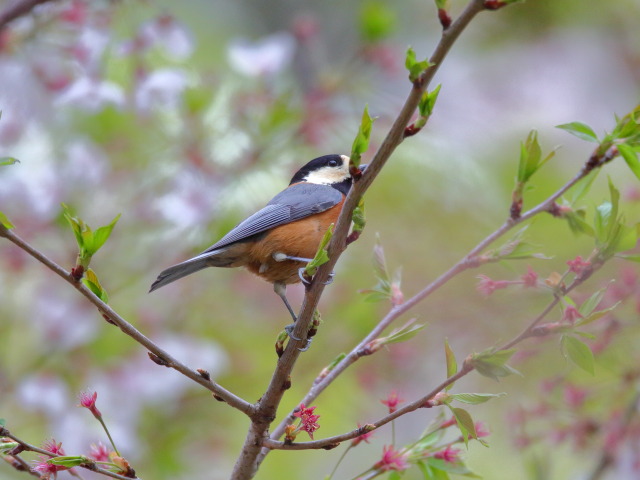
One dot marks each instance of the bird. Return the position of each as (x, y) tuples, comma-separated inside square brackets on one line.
[(275, 241)]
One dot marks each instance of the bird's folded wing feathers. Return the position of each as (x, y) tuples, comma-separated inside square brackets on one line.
[(296, 202)]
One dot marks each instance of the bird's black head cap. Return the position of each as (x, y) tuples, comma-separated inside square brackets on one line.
[(335, 166)]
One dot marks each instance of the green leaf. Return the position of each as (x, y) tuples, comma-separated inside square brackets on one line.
[(101, 235), (530, 154), (457, 468), (602, 219), (631, 157), (475, 398), (590, 304), (428, 101), (577, 224), (414, 66), (492, 363), (452, 364), (70, 461), (628, 127), (321, 256), (77, 226), (361, 142), (377, 21), (580, 130), (515, 249), (4, 221), (382, 290), (442, 4), (614, 193), (465, 423), (91, 281), (587, 335), (578, 352), (427, 441), (4, 161), (8, 446), (358, 217), (380, 262), (595, 316), (407, 332)]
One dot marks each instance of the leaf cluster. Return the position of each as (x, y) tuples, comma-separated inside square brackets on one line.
[(361, 142), (89, 241), (414, 66)]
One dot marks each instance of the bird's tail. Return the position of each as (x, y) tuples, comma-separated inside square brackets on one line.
[(195, 264)]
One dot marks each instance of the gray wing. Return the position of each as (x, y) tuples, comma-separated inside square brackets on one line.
[(296, 202)]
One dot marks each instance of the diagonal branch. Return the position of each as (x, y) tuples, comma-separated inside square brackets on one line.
[(157, 354), (18, 9), (423, 402), (251, 456)]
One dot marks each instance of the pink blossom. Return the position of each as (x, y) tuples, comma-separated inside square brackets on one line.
[(397, 297), (449, 454), (391, 460), (448, 423), (392, 401), (43, 466), (529, 279), (88, 400), (486, 286), (361, 438), (571, 314), (308, 421), (100, 452), (578, 265)]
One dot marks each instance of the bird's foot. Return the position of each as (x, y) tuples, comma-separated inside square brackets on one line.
[(289, 329), (302, 273), (329, 280)]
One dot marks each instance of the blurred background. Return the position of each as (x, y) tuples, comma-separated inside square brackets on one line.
[(185, 117)]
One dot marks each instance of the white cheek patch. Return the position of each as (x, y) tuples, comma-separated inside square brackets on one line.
[(328, 175)]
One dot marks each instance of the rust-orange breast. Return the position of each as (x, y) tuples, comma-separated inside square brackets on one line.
[(297, 239)]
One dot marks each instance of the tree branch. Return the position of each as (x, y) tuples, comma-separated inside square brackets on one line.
[(32, 448), (422, 402), (18, 9), (251, 455), (158, 355)]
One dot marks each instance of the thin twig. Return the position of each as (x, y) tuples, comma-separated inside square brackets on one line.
[(32, 448), (20, 464), (18, 9), (158, 354), (331, 442)]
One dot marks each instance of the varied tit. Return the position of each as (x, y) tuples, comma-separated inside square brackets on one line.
[(274, 242)]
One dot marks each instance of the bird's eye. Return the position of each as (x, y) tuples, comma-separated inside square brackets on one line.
[(333, 163)]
